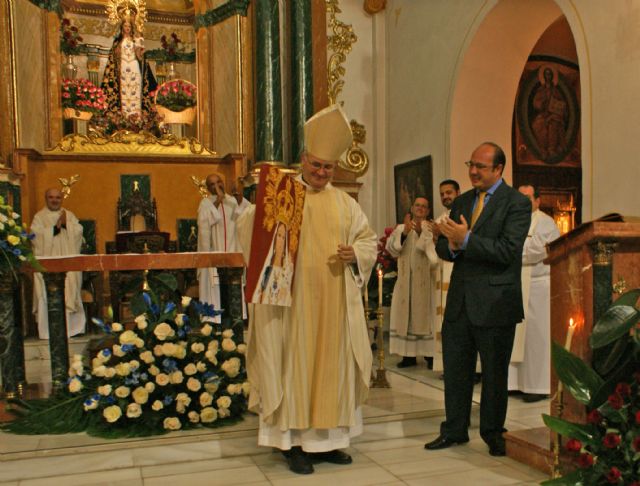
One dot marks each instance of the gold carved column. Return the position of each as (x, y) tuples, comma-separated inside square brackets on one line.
[(8, 135), (225, 92)]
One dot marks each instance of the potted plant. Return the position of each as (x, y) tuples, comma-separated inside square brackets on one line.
[(176, 101), (607, 448), (81, 99), (70, 40)]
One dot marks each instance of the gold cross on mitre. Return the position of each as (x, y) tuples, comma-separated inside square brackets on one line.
[(131, 10)]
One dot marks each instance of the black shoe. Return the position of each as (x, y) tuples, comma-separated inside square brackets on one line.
[(442, 442), (497, 447), (533, 397), (334, 457), (429, 361), (407, 361), (298, 461)]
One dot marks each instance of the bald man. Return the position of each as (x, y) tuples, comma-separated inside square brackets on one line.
[(57, 233), (217, 216)]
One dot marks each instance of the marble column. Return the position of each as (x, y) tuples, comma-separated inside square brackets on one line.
[(301, 74), (269, 146), (11, 342), (58, 339), (231, 298)]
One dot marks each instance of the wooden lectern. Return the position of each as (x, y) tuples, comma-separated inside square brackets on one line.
[(587, 264)]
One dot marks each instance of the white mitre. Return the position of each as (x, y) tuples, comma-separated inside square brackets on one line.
[(327, 134)]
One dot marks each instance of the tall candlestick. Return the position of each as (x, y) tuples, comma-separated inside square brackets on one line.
[(379, 288), (366, 296)]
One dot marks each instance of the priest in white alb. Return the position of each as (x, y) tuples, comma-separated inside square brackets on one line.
[(310, 364), (57, 233), (217, 215)]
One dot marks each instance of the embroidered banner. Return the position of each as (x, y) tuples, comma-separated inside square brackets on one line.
[(274, 243)]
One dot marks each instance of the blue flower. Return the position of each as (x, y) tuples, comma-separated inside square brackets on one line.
[(181, 333), (111, 399), (167, 400), (187, 328), (89, 401), (147, 299), (4, 245), (17, 252), (31, 236), (126, 348), (106, 352), (154, 308), (95, 397), (169, 365), (169, 307), (144, 376)]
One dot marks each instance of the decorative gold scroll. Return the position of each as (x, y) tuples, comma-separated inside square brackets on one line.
[(201, 184), (67, 183)]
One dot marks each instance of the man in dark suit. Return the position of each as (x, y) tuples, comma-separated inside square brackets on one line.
[(483, 236)]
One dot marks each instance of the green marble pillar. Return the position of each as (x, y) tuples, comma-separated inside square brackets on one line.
[(231, 298), (11, 344), (301, 74), (58, 340), (269, 146)]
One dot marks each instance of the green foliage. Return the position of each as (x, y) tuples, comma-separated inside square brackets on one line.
[(607, 447)]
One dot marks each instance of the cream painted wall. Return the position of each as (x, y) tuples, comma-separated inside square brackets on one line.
[(451, 69)]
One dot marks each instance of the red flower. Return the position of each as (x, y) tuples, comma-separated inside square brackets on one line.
[(594, 417), (636, 443), (611, 440), (573, 445), (615, 401), (623, 389), (614, 475), (585, 460)]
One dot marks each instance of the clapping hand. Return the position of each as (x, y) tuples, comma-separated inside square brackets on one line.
[(454, 232)]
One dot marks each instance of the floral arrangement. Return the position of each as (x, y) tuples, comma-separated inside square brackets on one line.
[(110, 122), (15, 242), (172, 47), (176, 95), (70, 39), (606, 450), (170, 370), (82, 95)]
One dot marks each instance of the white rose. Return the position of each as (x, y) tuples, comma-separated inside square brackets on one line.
[(194, 417), (117, 351), (211, 387), (242, 348), (141, 321), (122, 391), (123, 369), (206, 399), (234, 389), (172, 423), (169, 349), (157, 405), (109, 372), (116, 327), (176, 377), (201, 366), (246, 388), (231, 367), (190, 369), (223, 402), (128, 337), (183, 398), (197, 347), (227, 333), (157, 350), (149, 386), (162, 379), (223, 412), (147, 357), (179, 320), (163, 331), (213, 345), (105, 390), (211, 356), (112, 413), (134, 410), (134, 364), (185, 301), (180, 407), (140, 395), (99, 371), (154, 370), (228, 345), (208, 415), (75, 385), (194, 384), (206, 330)]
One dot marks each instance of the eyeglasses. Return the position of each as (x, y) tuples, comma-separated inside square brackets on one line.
[(471, 164), (319, 165)]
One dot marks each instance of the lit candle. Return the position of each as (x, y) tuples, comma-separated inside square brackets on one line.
[(572, 327), (380, 288)]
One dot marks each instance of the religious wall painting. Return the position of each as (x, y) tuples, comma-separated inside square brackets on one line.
[(275, 239), (412, 179), (547, 128), (187, 231)]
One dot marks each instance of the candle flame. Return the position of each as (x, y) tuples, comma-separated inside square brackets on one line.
[(572, 323), (379, 273)]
